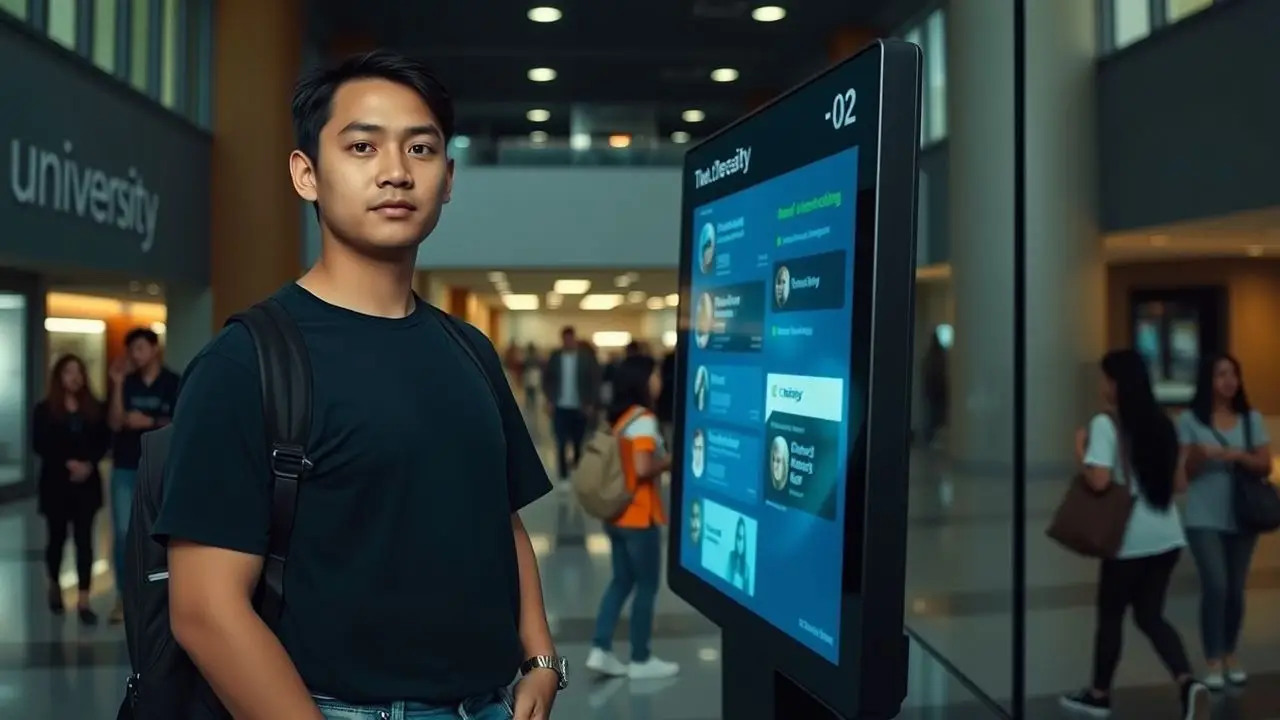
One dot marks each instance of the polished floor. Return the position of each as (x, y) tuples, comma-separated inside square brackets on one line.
[(959, 604)]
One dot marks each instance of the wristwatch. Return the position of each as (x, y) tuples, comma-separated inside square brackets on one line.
[(554, 663)]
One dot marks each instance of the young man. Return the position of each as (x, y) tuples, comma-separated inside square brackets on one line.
[(143, 395), (412, 586)]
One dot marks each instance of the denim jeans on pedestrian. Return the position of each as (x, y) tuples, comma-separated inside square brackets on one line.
[(1222, 560), (637, 560), (123, 484), (496, 705)]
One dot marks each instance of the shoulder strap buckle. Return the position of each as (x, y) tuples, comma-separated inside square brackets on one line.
[(289, 462)]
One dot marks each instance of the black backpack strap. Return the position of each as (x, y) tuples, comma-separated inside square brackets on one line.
[(286, 403)]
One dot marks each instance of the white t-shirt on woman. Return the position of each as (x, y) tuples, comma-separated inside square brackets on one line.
[(1151, 531)]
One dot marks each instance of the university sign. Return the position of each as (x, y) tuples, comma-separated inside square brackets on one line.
[(56, 182)]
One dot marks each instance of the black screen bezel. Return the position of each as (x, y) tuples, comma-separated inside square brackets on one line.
[(887, 77)]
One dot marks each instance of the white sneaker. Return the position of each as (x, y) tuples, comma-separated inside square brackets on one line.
[(605, 663), (1237, 676), (1213, 680), (652, 669)]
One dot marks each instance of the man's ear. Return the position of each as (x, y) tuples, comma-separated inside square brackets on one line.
[(448, 182), (303, 173)]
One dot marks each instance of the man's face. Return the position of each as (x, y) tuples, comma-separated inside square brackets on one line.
[(383, 173), (141, 352), (779, 462), (780, 285), (569, 340)]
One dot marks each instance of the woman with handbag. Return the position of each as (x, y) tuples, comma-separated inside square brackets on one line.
[(1227, 444), (1133, 448)]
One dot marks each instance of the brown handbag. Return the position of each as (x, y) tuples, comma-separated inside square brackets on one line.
[(1093, 523)]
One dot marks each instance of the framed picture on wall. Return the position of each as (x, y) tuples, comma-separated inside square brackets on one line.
[(1172, 328)]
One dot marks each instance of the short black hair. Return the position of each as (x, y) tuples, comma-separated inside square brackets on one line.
[(312, 105), (141, 333), (567, 330)]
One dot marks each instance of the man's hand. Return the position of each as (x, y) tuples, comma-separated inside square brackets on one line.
[(79, 469), (535, 694), (119, 370), (137, 420)]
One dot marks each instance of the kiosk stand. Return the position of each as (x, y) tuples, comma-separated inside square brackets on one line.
[(753, 689), (790, 453)]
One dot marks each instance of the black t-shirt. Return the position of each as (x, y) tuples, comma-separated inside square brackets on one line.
[(402, 582), (156, 400)]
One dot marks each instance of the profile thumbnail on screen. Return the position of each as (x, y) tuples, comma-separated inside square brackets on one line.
[(729, 540)]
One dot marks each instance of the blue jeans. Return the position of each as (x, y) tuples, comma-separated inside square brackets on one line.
[(1222, 559), (496, 705), (123, 483), (637, 556)]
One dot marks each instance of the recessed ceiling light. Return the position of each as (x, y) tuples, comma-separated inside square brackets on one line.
[(497, 276), (462, 142), (622, 281), (767, 13), (724, 75), (655, 303), (538, 136), (619, 141), (636, 296), (538, 115), (545, 14), (542, 74), (693, 116), (571, 287), (553, 299), (679, 137), (520, 302), (580, 141), (601, 302), (673, 300)]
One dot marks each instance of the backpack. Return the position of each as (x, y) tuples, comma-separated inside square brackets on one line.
[(165, 684), (599, 481)]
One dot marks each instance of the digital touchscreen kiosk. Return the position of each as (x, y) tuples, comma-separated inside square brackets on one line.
[(796, 290)]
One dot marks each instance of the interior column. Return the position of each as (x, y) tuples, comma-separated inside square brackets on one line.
[(1064, 270), (256, 239)]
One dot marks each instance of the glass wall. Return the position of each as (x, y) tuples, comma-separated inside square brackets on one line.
[(1122, 23), (140, 44), (14, 405), (931, 35), (105, 33), (60, 22), (14, 7)]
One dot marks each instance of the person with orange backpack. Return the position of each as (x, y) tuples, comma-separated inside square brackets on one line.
[(635, 533)]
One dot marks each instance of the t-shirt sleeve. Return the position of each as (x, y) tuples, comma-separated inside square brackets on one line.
[(1258, 426), (217, 478), (1101, 451), (645, 434), (527, 478), (1186, 428)]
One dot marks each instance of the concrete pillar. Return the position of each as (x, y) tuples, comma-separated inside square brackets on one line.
[(256, 243), (188, 319), (1065, 331)]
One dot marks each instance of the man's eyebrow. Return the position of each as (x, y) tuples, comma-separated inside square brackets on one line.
[(359, 126)]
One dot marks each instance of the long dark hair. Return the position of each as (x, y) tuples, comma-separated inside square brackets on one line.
[(631, 386), (1202, 403), (56, 399), (1144, 427)]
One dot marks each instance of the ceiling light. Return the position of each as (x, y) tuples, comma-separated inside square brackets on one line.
[(78, 326), (679, 137), (622, 281), (601, 302), (580, 141), (611, 338), (673, 300), (462, 142), (571, 287), (619, 141), (538, 136), (520, 302), (636, 296), (693, 116), (553, 299), (724, 75), (497, 276), (542, 74), (538, 115), (544, 14), (655, 303), (669, 338), (159, 328), (768, 13)]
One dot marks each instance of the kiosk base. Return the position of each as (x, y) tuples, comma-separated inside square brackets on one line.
[(753, 689)]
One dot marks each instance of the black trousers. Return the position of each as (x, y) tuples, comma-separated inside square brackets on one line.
[(1141, 583), (80, 523)]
